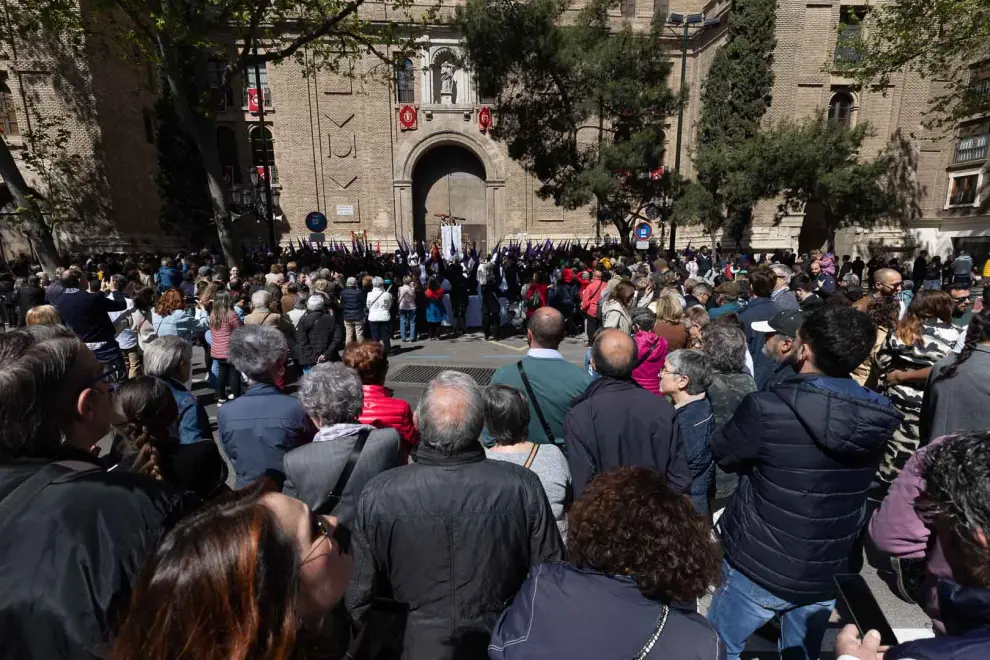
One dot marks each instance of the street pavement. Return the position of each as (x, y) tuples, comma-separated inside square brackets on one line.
[(473, 351)]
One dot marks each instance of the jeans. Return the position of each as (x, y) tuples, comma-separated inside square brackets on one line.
[(407, 319), (111, 357), (740, 607), (381, 331), (227, 374), (354, 331)]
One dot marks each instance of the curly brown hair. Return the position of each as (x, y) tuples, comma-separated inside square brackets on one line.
[(170, 301), (368, 359), (629, 522)]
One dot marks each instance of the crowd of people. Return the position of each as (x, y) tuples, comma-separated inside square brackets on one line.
[(743, 426)]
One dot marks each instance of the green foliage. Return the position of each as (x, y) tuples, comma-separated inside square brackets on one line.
[(817, 161), (73, 195), (734, 98), (945, 41), (582, 106)]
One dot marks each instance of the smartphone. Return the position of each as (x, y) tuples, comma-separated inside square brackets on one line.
[(863, 607)]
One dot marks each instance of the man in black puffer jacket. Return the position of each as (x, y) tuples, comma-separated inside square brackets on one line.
[(352, 301), (806, 452), (452, 536)]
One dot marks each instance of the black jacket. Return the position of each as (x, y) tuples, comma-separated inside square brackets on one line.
[(352, 302), (70, 558), (453, 537), (617, 423), (966, 612), (28, 297), (806, 453), (567, 612), (318, 333), (87, 313)]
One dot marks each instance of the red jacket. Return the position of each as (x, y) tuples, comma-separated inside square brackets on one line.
[(382, 410)]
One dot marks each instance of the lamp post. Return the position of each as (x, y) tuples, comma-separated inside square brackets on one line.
[(676, 20), (258, 196), (270, 199)]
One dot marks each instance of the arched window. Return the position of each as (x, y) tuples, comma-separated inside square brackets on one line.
[(227, 148), (405, 82), (840, 108), (261, 142), (8, 112)]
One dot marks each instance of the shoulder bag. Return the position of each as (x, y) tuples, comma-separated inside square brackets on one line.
[(532, 456), (334, 496), (649, 353), (536, 404), (28, 489), (657, 631)]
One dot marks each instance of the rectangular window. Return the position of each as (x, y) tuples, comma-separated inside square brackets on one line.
[(628, 8), (971, 148), (850, 33), (222, 97), (964, 190), (262, 81)]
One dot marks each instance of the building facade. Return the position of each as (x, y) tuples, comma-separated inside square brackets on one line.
[(391, 157)]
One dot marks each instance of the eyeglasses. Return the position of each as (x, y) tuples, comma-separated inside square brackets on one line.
[(110, 377), (670, 373), (963, 299), (339, 534)]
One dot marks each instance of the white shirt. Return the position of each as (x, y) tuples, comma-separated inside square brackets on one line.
[(544, 354), (126, 338)]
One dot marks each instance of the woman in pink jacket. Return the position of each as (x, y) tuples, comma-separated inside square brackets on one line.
[(651, 350)]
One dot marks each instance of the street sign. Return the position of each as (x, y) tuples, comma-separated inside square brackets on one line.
[(318, 237), (345, 209), (316, 222), (642, 245), (643, 231)]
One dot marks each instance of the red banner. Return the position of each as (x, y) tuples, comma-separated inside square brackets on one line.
[(408, 118), (484, 118), (656, 174), (255, 98)]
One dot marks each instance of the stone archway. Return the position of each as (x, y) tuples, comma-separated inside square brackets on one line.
[(450, 180), (487, 228)]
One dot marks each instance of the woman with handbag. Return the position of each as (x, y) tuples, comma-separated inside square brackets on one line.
[(639, 557)]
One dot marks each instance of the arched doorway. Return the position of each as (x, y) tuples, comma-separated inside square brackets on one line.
[(450, 180)]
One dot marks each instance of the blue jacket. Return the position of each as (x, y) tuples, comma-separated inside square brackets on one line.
[(168, 278), (352, 302), (758, 309), (727, 308), (257, 429), (966, 613), (181, 322), (193, 424), (806, 453), (696, 423), (567, 612)]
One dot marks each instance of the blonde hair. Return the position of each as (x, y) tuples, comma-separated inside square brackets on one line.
[(669, 309), (43, 315)]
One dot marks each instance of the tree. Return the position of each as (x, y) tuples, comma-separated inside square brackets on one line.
[(942, 40), (582, 107), (319, 34), (72, 191), (816, 163), (734, 97)]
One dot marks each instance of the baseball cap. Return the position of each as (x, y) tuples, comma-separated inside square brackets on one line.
[(784, 323)]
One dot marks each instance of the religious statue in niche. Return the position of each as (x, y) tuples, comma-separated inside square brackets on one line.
[(444, 73)]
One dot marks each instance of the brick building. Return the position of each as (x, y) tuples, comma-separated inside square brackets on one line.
[(388, 157)]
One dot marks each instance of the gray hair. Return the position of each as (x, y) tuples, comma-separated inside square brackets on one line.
[(644, 318), (725, 345), (693, 364), (506, 414), (377, 282), (164, 356), (315, 302), (261, 299), (783, 271), (451, 414), (300, 303), (331, 393), (255, 349), (699, 289)]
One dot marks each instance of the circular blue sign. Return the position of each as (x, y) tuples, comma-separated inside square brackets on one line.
[(316, 222), (643, 231)]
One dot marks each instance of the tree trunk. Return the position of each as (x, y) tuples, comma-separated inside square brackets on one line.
[(31, 222), (202, 130)]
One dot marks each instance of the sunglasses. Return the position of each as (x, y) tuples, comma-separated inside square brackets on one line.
[(339, 534)]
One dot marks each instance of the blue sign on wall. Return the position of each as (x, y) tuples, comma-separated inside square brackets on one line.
[(316, 222), (643, 231)]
